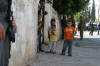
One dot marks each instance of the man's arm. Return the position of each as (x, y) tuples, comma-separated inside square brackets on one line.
[(14, 24), (48, 34), (75, 30), (2, 32), (64, 33)]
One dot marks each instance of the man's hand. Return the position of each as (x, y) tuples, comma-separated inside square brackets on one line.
[(45, 13), (14, 24), (52, 32), (75, 33), (2, 32)]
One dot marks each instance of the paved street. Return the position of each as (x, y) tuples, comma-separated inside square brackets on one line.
[(86, 35), (89, 41), (81, 56)]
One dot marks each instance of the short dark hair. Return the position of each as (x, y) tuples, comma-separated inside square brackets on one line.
[(53, 20), (41, 1)]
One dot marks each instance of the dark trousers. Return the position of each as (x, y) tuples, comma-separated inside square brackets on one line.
[(67, 43), (98, 31), (91, 33), (4, 52), (39, 43), (81, 34)]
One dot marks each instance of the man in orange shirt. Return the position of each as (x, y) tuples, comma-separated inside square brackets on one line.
[(69, 32)]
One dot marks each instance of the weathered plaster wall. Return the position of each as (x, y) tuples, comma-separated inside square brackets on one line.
[(48, 18), (24, 49), (58, 24), (25, 14)]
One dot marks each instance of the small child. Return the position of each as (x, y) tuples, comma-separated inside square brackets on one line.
[(52, 39), (53, 22), (69, 32)]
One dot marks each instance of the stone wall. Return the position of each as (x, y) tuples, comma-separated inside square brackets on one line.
[(48, 17), (24, 49)]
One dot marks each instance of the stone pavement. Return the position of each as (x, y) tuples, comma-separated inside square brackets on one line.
[(89, 41), (86, 35), (81, 57)]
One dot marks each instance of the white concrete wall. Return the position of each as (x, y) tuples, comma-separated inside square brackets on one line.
[(58, 24), (47, 23), (51, 14), (24, 49), (25, 14)]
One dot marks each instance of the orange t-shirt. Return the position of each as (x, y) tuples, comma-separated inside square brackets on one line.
[(69, 33)]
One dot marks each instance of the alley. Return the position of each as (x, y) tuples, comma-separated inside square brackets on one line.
[(82, 56)]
